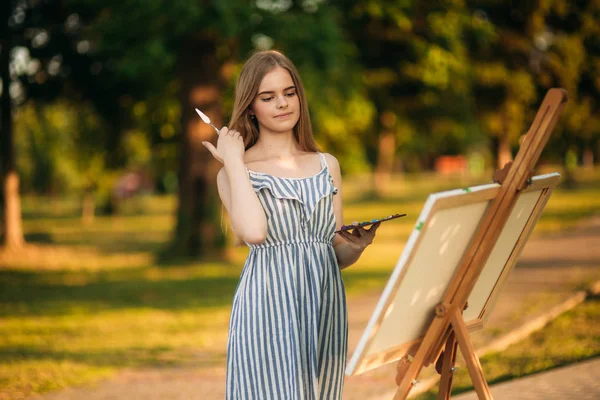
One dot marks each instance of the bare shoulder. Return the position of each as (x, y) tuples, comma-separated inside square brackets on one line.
[(332, 163)]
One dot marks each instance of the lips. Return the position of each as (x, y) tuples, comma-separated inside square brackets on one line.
[(284, 115)]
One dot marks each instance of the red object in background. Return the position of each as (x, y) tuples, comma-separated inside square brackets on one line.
[(447, 165)]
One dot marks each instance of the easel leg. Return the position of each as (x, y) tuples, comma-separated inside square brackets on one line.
[(448, 359), (468, 351)]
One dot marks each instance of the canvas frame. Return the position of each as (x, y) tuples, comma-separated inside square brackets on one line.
[(361, 361)]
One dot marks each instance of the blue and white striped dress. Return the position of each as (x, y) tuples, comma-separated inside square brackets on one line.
[(288, 329)]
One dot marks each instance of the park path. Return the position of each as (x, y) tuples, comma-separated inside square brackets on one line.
[(580, 381), (549, 271)]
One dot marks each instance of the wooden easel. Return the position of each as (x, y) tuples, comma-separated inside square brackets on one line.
[(447, 330)]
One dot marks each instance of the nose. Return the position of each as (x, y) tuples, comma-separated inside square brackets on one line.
[(282, 102)]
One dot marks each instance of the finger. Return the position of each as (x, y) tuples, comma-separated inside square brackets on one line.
[(348, 231), (343, 233), (351, 243), (348, 237), (374, 227), (223, 131), (212, 150), (359, 231)]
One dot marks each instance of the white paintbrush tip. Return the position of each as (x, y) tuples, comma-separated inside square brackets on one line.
[(203, 116)]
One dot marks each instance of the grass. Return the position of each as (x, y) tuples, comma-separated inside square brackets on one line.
[(60, 329), (84, 301), (573, 336)]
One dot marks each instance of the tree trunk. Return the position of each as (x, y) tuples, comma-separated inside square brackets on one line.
[(197, 232), (13, 231), (588, 158), (385, 162), (504, 154)]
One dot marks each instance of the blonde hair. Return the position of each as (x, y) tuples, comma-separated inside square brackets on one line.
[(246, 89)]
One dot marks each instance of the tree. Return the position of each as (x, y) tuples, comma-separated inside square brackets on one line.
[(568, 40), (13, 231), (44, 58), (536, 46), (61, 150), (418, 76), (197, 47)]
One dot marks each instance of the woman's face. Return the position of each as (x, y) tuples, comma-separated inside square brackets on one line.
[(276, 106)]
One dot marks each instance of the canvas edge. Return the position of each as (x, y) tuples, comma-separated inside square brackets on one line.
[(357, 363)]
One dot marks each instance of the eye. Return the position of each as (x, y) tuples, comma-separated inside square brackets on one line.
[(265, 99), (290, 94)]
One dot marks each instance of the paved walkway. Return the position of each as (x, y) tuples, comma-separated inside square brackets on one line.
[(580, 381), (549, 271)]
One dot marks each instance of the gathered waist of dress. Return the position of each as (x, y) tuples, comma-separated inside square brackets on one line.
[(287, 243)]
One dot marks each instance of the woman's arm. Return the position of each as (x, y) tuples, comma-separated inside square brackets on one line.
[(347, 253), (248, 219)]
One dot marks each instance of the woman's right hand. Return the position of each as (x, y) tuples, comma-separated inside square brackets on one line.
[(230, 143)]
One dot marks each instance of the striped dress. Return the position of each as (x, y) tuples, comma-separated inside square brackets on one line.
[(288, 329)]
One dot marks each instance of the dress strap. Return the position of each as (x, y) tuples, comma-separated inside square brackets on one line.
[(323, 160)]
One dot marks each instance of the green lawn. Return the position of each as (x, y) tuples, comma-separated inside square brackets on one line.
[(83, 301)]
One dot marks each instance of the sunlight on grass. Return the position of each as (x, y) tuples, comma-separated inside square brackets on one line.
[(22, 377), (80, 302), (65, 328)]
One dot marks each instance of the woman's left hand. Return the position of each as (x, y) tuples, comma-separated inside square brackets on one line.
[(360, 237)]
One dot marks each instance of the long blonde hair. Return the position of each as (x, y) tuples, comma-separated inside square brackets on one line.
[(246, 89)]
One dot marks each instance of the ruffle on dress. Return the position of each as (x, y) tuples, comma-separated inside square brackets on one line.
[(296, 188)]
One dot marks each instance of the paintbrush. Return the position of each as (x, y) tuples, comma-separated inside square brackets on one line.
[(206, 119)]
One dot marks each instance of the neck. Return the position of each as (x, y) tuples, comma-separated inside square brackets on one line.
[(277, 144)]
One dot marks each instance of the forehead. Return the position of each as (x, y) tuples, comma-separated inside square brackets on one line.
[(276, 79)]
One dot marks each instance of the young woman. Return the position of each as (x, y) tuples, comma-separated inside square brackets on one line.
[(288, 328)]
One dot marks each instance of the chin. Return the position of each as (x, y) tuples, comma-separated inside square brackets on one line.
[(283, 126), (281, 129)]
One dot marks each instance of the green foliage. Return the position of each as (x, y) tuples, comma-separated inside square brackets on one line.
[(60, 147), (454, 74), (417, 71), (537, 46), (143, 46)]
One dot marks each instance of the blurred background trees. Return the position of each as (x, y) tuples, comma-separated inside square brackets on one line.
[(101, 93)]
